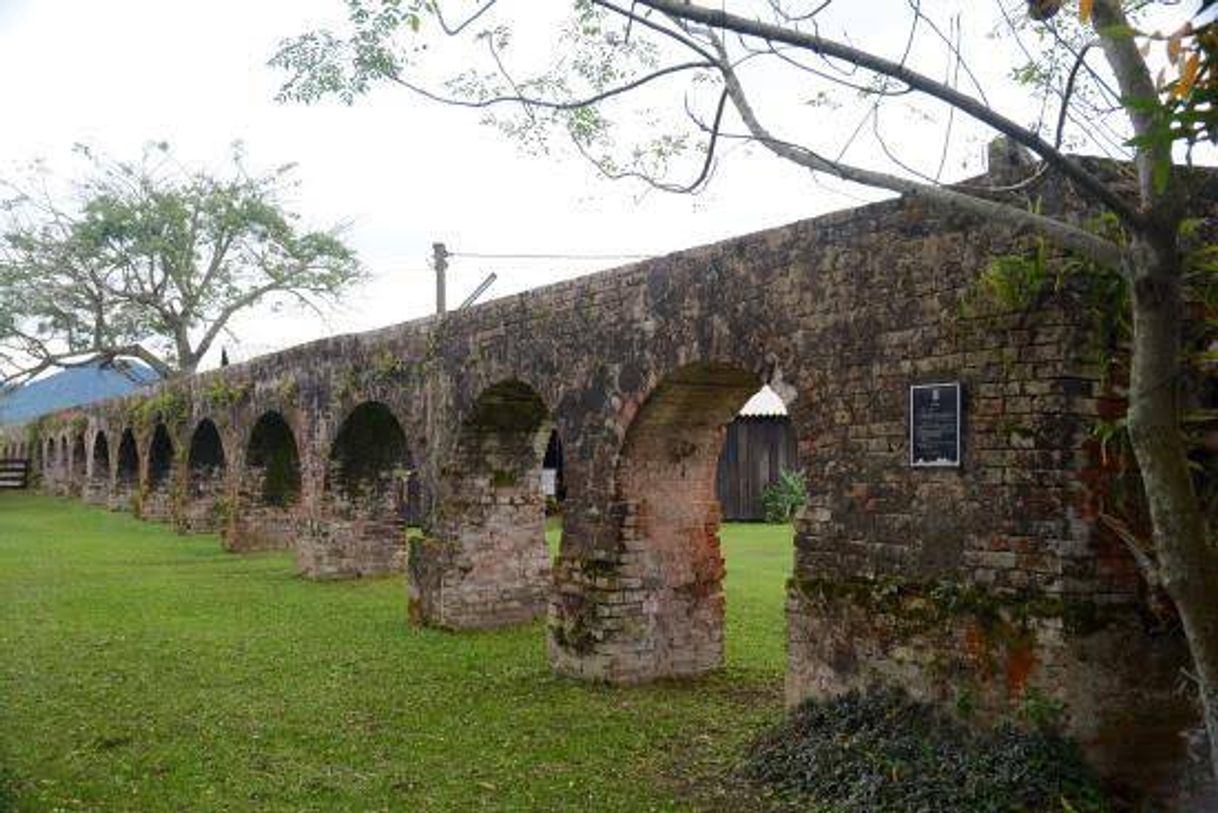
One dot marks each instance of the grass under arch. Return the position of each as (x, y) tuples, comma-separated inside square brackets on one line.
[(140, 670)]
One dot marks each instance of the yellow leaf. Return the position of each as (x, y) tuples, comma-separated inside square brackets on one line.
[(1188, 76), (1084, 9)]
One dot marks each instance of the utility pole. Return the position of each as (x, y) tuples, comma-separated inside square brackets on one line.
[(440, 260)]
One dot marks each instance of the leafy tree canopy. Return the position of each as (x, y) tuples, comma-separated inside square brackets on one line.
[(150, 260)]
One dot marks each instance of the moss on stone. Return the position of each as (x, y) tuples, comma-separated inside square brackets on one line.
[(914, 607)]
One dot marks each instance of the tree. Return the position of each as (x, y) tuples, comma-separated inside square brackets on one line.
[(150, 261), (1090, 72)]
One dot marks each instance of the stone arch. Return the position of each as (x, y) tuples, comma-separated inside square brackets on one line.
[(554, 483), (78, 465), (157, 502), (206, 467), (50, 465), (97, 488), (663, 576), (62, 468), (127, 471), (485, 562), (370, 492), (269, 489)]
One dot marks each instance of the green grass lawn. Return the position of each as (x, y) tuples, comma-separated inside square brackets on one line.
[(143, 671)]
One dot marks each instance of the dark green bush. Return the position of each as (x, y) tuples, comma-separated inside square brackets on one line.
[(881, 751)]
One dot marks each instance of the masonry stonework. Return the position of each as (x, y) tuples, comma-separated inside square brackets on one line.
[(419, 448)]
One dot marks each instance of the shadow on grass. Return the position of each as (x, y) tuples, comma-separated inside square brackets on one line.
[(8, 790)]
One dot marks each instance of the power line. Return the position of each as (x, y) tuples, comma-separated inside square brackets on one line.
[(474, 255)]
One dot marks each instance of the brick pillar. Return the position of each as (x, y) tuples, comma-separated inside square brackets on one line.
[(266, 495), (126, 473), (77, 475), (257, 523), (204, 508), (483, 560), (642, 597), (97, 485), (157, 500), (360, 524), (355, 535)]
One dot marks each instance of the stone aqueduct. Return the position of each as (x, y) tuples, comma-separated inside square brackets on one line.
[(985, 581)]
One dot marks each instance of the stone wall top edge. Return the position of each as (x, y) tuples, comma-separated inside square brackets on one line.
[(415, 328)]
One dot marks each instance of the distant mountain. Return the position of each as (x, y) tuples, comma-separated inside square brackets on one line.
[(72, 387)]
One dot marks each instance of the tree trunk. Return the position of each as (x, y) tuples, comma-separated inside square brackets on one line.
[(1188, 561)]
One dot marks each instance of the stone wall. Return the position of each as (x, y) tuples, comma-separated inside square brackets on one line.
[(986, 585)]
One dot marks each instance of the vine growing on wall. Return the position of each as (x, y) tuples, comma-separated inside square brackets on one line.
[(169, 406), (1021, 282), (226, 395)]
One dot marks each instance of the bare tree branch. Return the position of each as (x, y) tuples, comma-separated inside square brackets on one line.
[(722, 20), (1096, 248)]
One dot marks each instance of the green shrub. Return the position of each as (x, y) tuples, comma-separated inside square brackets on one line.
[(880, 751), (786, 495)]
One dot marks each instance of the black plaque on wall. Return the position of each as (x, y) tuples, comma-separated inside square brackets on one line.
[(934, 425)]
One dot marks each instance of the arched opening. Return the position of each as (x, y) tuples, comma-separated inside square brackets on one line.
[(98, 487), (61, 466), (205, 469), (127, 472), (158, 503), (761, 488), (759, 463), (371, 493), (485, 562), (665, 483), (554, 489), (79, 465), (160, 457), (273, 460), (661, 585), (269, 488), (369, 458)]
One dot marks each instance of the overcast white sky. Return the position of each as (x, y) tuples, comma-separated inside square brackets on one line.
[(402, 172)]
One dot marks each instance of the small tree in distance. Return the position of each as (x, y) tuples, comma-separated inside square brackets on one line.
[(150, 261), (1086, 67)]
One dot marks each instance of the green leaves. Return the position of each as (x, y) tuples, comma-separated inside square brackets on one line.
[(321, 64), (153, 260), (785, 496)]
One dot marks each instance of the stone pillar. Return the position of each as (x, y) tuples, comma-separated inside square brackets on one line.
[(204, 509), (484, 563), (639, 591), (483, 560), (257, 524)]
